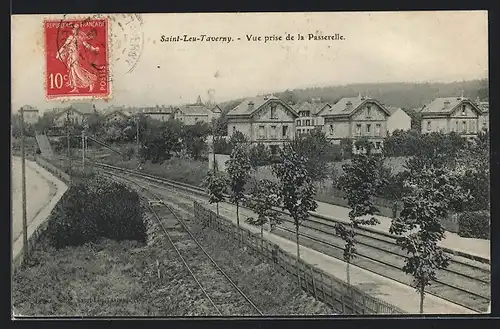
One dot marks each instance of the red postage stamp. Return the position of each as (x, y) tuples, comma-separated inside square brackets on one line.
[(77, 58)]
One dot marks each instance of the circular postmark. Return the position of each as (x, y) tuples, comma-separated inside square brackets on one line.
[(125, 39)]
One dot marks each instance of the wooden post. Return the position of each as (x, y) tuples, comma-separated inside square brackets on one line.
[(313, 282), (23, 188), (322, 285)]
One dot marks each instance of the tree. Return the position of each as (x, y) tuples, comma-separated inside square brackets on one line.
[(238, 138), (346, 147), (264, 196), (194, 139), (314, 147), (160, 140), (297, 188), (430, 191), (238, 167), (45, 122), (361, 180), (216, 185), (260, 155)]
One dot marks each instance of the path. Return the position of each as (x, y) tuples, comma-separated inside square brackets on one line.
[(43, 191)]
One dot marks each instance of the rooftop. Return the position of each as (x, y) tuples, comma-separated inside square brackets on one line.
[(244, 109)]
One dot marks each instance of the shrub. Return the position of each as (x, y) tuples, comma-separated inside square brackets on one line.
[(474, 224), (96, 208)]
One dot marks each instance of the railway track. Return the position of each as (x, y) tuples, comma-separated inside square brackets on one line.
[(223, 296), (378, 253)]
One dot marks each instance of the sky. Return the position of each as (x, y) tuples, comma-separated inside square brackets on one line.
[(429, 46)]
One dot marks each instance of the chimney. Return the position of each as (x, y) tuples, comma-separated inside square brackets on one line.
[(250, 105), (348, 105), (447, 104)]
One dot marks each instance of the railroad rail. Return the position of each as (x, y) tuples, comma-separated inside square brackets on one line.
[(475, 276), (168, 220)]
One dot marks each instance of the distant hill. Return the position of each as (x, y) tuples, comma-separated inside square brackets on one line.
[(398, 94)]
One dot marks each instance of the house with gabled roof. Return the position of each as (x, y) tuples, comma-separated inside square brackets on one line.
[(356, 117), (190, 114), (76, 113), (263, 119), (309, 117), (161, 113), (451, 114), (117, 115)]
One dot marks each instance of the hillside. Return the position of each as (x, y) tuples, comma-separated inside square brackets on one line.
[(399, 94)]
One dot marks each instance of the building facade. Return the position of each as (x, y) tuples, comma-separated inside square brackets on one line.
[(116, 116), (160, 113), (354, 118), (198, 112), (452, 114), (263, 119), (308, 116), (77, 113), (398, 120), (30, 114)]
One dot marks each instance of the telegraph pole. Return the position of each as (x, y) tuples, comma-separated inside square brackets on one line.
[(69, 149), (23, 187), (83, 149), (137, 134)]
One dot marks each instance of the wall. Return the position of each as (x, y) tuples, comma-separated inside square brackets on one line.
[(340, 128), (220, 159), (437, 125), (398, 120), (192, 119)]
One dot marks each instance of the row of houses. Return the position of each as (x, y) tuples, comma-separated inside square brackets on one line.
[(189, 114), (270, 120)]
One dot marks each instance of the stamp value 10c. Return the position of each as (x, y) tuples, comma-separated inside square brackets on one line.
[(77, 58)]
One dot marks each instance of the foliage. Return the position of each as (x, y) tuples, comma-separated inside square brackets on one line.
[(264, 196), (411, 143), (260, 155), (314, 147), (474, 224), (361, 180), (426, 204), (45, 122), (221, 146), (346, 145), (216, 183), (160, 141), (238, 167), (288, 97), (96, 208), (194, 139), (29, 129), (237, 138), (219, 125), (297, 187)]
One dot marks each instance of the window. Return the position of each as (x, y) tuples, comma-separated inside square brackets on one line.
[(377, 129), (428, 125), (285, 131), (298, 123), (261, 132), (358, 130), (273, 111), (368, 128), (464, 126), (308, 122), (234, 128), (312, 122), (463, 111), (368, 111), (331, 129), (457, 129), (485, 124), (273, 132)]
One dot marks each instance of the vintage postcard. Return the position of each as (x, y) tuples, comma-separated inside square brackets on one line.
[(250, 164)]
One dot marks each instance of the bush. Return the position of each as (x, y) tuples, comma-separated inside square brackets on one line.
[(93, 209), (474, 224)]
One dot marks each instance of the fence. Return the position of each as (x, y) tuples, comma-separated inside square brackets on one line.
[(323, 286), (53, 169)]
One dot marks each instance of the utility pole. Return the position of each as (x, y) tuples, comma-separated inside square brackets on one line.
[(137, 134), (69, 149), (83, 149), (23, 187)]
